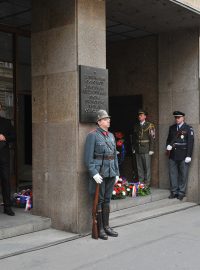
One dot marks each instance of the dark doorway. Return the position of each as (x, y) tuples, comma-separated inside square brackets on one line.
[(123, 111)]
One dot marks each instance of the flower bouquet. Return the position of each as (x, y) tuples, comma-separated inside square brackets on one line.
[(119, 191), (23, 199), (123, 189), (142, 189)]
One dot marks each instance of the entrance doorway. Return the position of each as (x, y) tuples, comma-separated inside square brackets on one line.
[(15, 97), (123, 111)]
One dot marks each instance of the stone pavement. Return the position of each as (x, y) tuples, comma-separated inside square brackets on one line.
[(24, 222), (44, 237), (168, 242)]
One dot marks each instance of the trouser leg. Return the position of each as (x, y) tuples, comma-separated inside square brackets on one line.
[(183, 177), (5, 183), (140, 166), (147, 166), (173, 176)]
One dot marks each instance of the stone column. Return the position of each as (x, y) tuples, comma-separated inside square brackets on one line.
[(65, 34), (179, 90), (91, 52)]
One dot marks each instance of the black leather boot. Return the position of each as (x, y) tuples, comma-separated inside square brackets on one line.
[(8, 211), (102, 234), (107, 228)]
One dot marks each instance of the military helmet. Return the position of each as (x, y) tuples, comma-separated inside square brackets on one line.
[(102, 114)]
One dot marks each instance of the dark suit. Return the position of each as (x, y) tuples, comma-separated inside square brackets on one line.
[(182, 141), (7, 130)]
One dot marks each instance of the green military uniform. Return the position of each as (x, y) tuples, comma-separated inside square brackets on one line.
[(143, 145)]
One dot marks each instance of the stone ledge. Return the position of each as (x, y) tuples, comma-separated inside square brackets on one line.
[(22, 223), (156, 195)]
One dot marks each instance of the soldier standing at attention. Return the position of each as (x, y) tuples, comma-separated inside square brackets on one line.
[(102, 164), (180, 146), (143, 146)]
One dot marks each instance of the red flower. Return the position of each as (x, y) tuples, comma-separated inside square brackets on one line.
[(120, 143), (119, 135)]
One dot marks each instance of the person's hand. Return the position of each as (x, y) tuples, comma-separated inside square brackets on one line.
[(133, 151), (169, 147), (188, 159), (97, 177), (116, 179), (151, 153)]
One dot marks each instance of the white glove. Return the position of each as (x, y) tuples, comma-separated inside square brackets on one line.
[(97, 177), (116, 179), (169, 147), (188, 159), (133, 151), (151, 153)]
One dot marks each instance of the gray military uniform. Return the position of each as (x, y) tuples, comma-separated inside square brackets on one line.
[(99, 145)]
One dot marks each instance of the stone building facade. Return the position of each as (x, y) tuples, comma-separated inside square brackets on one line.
[(150, 48)]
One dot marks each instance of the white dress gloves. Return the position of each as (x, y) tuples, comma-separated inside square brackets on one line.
[(151, 153), (116, 179), (97, 177), (169, 147), (188, 159)]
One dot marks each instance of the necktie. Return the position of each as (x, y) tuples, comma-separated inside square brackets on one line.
[(105, 133)]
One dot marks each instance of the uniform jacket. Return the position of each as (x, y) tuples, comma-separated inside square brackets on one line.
[(7, 130), (144, 138), (97, 144), (181, 140)]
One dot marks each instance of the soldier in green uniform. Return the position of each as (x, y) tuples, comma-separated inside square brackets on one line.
[(143, 146)]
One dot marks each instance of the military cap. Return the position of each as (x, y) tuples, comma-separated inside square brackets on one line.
[(142, 112), (101, 114), (178, 113)]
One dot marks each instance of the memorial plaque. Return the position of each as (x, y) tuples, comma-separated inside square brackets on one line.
[(93, 92)]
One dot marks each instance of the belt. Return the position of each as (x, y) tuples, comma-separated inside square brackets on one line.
[(143, 141), (111, 157), (180, 143)]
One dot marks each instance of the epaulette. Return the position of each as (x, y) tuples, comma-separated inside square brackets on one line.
[(92, 131), (151, 126)]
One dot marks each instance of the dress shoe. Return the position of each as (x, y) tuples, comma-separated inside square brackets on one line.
[(109, 231), (180, 197), (103, 235), (172, 196), (8, 211)]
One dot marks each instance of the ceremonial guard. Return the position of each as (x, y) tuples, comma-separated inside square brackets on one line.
[(179, 147), (143, 146), (102, 164)]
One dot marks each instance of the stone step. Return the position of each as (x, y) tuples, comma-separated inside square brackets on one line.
[(156, 195), (148, 211), (22, 223), (33, 241)]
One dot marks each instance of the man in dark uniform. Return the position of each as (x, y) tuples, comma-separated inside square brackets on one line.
[(7, 135), (100, 151), (180, 142), (143, 146)]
